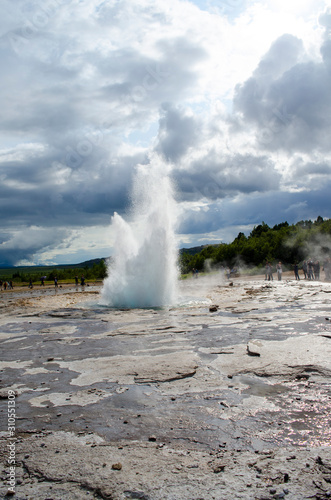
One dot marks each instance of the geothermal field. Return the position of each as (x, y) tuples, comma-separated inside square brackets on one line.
[(224, 395), (158, 389)]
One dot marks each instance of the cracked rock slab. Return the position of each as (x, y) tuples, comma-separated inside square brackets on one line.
[(288, 357), (133, 369), (61, 465)]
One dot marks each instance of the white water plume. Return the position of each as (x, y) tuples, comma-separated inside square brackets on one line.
[(144, 269)]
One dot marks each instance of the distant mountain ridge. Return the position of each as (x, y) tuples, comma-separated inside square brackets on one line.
[(195, 250), (80, 265), (89, 263)]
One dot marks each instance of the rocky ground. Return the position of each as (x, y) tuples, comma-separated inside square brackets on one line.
[(226, 396)]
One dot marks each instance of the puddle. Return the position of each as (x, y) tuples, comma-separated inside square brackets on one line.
[(134, 397), (256, 387)]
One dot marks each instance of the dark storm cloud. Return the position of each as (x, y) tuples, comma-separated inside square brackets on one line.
[(216, 173), (214, 178), (177, 133), (41, 189), (301, 169), (253, 208), (25, 243)]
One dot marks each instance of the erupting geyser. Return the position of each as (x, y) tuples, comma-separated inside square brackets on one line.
[(144, 269)]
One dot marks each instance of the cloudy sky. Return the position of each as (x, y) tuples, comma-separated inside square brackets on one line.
[(233, 95)]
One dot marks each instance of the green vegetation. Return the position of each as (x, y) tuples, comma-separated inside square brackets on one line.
[(92, 271), (284, 242)]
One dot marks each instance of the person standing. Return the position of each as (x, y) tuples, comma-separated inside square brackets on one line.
[(279, 271), (310, 266), (296, 271), (268, 271), (327, 269)]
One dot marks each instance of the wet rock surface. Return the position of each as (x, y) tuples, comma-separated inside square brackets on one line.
[(225, 396)]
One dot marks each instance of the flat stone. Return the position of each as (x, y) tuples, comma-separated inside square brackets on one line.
[(254, 348)]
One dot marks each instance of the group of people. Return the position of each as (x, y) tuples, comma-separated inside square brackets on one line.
[(269, 272), (311, 269), (6, 285), (82, 281)]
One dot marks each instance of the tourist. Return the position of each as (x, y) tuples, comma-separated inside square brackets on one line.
[(327, 269), (55, 282), (305, 269), (268, 270), (76, 280), (82, 280), (279, 271), (317, 268), (296, 271), (30, 283), (310, 266)]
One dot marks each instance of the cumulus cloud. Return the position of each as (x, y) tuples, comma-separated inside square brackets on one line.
[(288, 98)]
